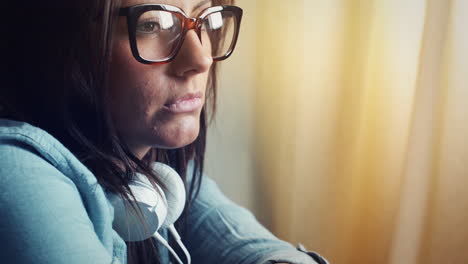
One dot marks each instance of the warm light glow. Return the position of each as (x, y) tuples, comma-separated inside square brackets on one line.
[(361, 110)]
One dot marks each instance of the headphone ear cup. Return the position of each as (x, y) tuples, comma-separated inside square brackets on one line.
[(174, 192), (159, 208), (153, 205)]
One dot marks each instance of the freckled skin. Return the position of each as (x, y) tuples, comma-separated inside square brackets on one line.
[(138, 91)]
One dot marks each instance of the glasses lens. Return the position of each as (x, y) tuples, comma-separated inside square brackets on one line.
[(157, 34), (218, 31)]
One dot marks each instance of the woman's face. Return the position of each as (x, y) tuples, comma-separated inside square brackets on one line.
[(159, 105)]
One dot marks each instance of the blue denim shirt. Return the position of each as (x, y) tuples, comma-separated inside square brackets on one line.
[(53, 211)]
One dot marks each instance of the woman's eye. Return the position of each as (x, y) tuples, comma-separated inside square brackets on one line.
[(149, 27)]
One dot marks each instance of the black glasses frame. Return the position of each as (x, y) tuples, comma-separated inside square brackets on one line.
[(133, 13)]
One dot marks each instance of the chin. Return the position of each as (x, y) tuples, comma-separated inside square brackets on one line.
[(175, 143), (177, 133)]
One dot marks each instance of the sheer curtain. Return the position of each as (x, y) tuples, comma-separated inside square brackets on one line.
[(362, 127)]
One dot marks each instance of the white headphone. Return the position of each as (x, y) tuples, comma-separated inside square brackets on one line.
[(159, 208)]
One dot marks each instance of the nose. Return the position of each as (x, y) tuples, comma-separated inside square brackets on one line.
[(192, 58)]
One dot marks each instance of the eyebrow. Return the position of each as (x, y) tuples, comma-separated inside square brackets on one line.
[(200, 4)]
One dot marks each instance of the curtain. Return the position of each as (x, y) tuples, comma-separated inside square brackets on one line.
[(361, 127)]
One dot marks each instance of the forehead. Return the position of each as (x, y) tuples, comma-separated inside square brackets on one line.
[(187, 5)]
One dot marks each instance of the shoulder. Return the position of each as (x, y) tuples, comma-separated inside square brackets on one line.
[(31, 160), (19, 136), (49, 196), (39, 203), (30, 183), (25, 147), (31, 157)]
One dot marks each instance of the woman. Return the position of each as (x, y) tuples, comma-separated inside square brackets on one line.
[(95, 92)]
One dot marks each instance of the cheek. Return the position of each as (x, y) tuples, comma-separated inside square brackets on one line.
[(136, 90), (127, 74)]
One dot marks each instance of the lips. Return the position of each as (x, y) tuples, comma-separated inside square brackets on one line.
[(187, 103)]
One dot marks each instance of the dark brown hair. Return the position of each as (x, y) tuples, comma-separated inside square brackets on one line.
[(54, 76)]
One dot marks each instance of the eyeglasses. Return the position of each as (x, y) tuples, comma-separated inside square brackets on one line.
[(157, 32)]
